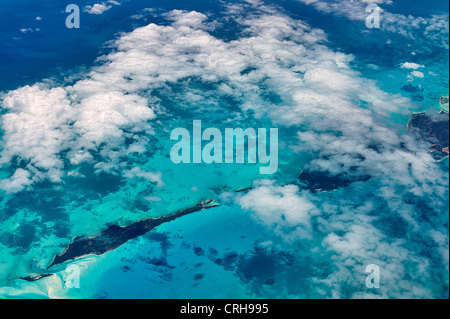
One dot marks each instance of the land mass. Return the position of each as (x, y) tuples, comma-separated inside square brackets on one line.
[(115, 236), (36, 278), (434, 129)]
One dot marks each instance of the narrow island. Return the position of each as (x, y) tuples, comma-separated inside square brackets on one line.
[(36, 278), (116, 236)]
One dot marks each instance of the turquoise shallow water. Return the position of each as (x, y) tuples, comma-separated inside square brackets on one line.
[(340, 105)]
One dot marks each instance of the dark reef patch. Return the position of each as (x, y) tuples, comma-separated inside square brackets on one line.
[(199, 277), (325, 181), (259, 266), (412, 88), (46, 202), (22, 239), (199, 251), (97, 185)]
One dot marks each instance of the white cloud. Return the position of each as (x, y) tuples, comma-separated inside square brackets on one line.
[(434, 29), (153, 177), (100, 8), (20, 180), (415, 75), (183, 18), (280, 207), (36, 127), (29, 30), (411, 66), (353, 230), (286, 55)]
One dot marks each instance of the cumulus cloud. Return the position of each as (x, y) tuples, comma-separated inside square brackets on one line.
[(100, 8), (36, 128), (153, 177), (183, 18), (411, 66), (416, 75), (284, 55), (434, 29), (43, 122), (20, 180), (280, 207), (355, 230)]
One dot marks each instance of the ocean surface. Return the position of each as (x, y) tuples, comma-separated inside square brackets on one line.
[(85, 121)]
